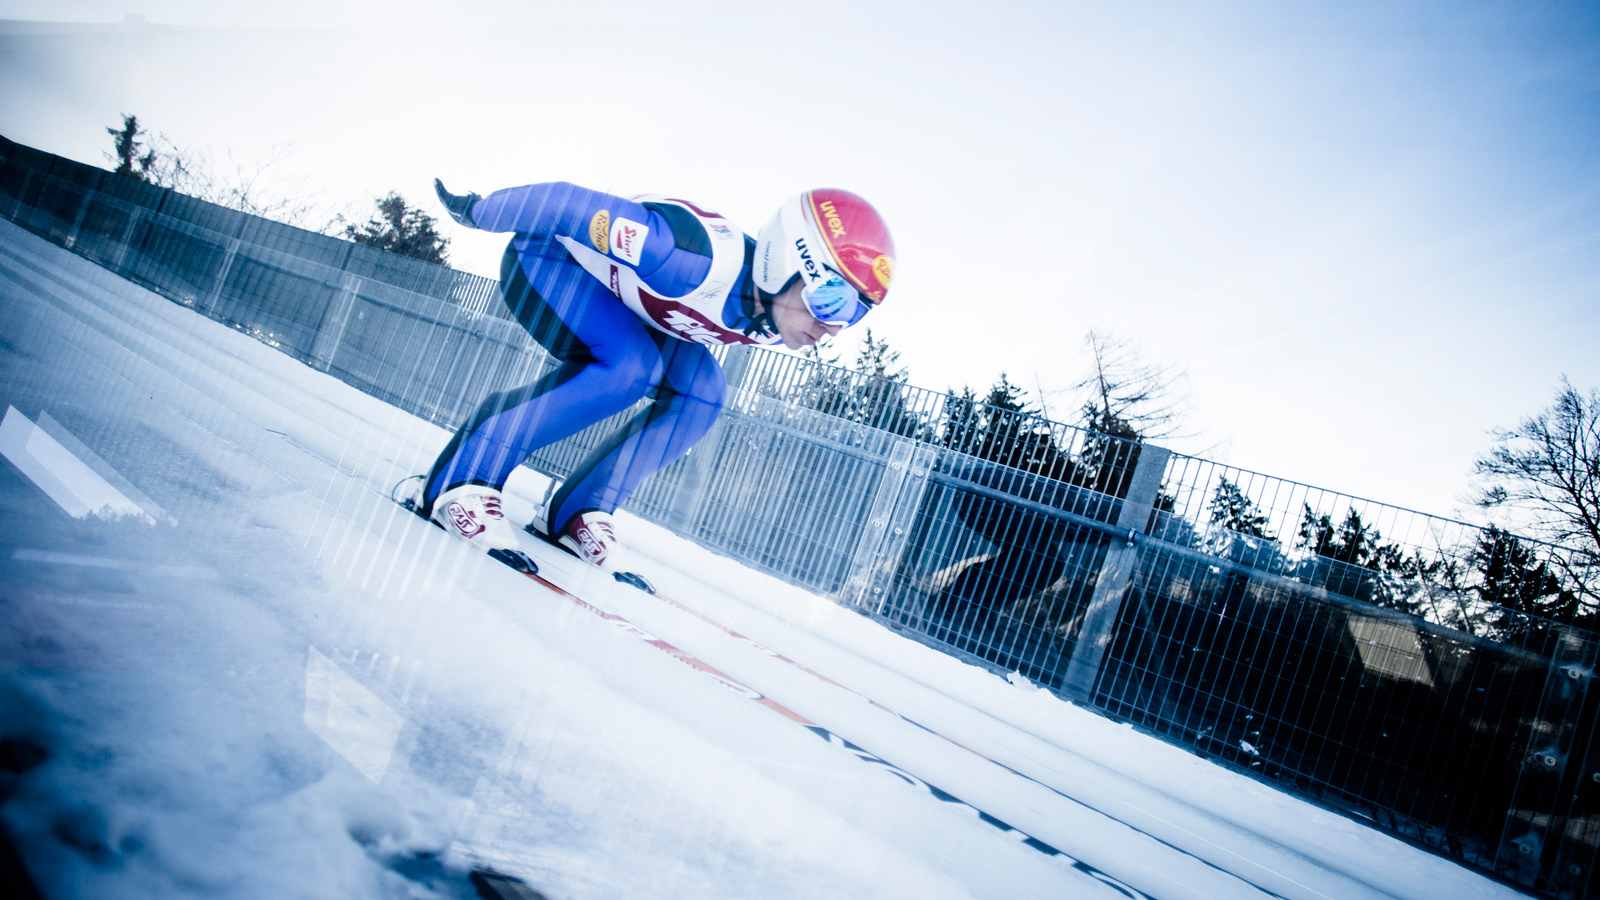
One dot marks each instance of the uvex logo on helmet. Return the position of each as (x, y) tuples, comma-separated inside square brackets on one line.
[(830, 214), (808, 263)]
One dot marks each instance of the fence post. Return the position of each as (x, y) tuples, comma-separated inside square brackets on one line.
[(888, 526), (215, 296), (26, 212), (1534, 818), (22, 191), (331, 330), (1116, 575), (77, 221), (690, 494), (121, 263)]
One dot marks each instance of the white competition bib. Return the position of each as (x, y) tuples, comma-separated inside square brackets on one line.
[(694, 316)]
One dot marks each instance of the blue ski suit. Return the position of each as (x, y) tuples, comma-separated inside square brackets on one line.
[(628, 295)]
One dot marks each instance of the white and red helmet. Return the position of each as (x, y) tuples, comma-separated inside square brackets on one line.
[(838, 243)]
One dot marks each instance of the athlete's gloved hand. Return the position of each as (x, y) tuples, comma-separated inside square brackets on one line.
[(458, 205)]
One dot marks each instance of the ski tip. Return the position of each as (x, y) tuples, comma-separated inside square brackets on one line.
[(634, 579), (405, 492), (516, 559)]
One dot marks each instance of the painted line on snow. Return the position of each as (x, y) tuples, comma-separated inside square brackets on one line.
[(822, 732), (952, 741), (70, 482)]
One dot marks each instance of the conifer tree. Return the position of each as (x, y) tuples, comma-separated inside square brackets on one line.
[(1237, 529), (1006, 421), (132, 156), (1514, 577), (1125, 402), (962, 428), (1125, 397), (400, 228), (1372, 569), (880, 399), (1233, 510)]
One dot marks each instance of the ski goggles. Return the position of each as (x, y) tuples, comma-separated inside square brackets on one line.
[(834, 301)]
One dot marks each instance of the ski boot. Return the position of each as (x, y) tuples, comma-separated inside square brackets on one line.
[(470, 512)]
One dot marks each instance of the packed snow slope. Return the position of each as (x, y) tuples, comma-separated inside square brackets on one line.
[(236, 670)]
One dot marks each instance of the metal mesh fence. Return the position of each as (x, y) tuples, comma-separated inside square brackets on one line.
[(1427, 731), (1418, 673)]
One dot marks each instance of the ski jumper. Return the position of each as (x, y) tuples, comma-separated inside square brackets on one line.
[(628, 295)]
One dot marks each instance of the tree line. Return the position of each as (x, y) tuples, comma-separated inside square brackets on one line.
[(1543, 475)]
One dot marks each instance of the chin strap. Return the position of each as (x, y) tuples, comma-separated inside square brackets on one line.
[(761, 322)]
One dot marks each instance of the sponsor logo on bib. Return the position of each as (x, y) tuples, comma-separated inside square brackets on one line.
[(627, 240), (600, 231), (692, 329)]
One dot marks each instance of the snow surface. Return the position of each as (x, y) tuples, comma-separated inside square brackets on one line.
[(275, 683)]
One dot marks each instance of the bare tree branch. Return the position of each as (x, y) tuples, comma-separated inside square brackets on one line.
[(1547, 469), (1126, 396), (241, 187)]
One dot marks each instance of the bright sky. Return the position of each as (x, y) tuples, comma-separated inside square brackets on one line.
[(1368, 237)]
